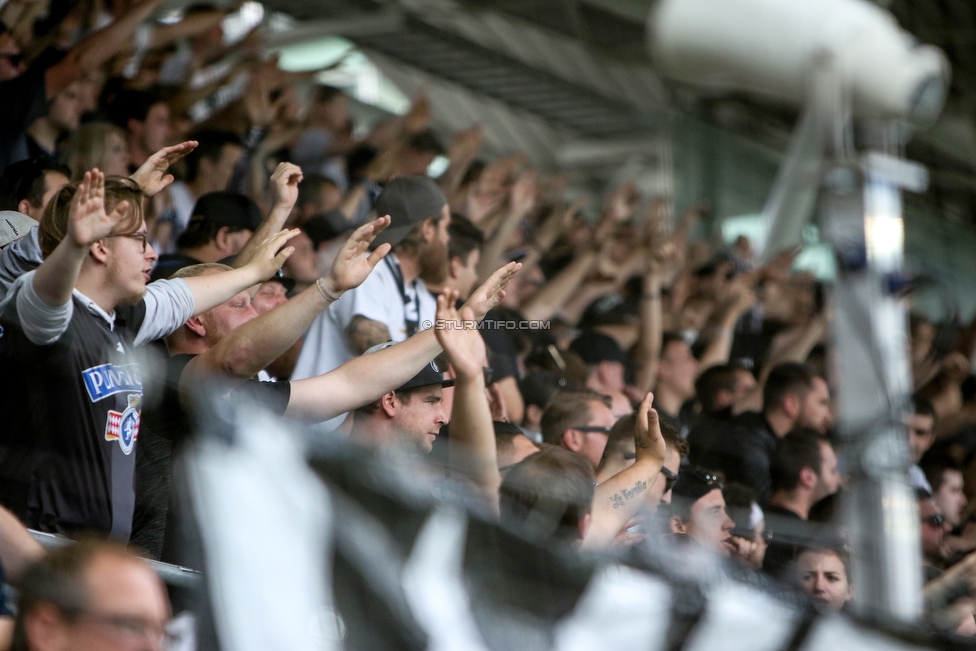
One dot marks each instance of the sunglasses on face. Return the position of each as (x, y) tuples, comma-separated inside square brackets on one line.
[(141, 235)]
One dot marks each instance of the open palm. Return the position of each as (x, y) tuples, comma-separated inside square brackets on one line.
[(352, 266), (87, 220), (458, 336)]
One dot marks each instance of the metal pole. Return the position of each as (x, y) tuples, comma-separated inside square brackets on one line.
[(871, 370)]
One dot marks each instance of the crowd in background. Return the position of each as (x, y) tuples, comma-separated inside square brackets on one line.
[(177, 207)]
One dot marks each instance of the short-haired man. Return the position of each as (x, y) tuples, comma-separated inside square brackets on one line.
[(69, 332), (793, 396), (537, 391), (549, 496), (698, 511), (27, 187), (393, 303), (920, 426), (209, 168), (91, 596), (804, 471), (606, 366), (620, 454), (935, 548), (145, 115), (409, 417), (945, 477), (580, 422), (221, 225)]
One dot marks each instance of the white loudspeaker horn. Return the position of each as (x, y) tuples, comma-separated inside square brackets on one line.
[(768, 47)]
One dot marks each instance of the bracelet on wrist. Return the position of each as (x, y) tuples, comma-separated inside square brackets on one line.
[(323, 290)]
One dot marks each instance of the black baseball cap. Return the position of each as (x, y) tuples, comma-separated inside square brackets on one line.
[(694, 483), (428, 375), (408, 200), (226, 209), (595, 347)]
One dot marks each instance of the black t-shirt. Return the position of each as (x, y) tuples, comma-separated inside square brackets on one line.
[(166, 426), (740, 448), (170, 263), (24, 100), (72, 411)]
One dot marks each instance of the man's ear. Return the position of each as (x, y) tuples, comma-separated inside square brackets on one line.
[(196, 326), (23, 206), (455, 266), (677, 524), (45, 627), (389, 404), (99, 251), (572, 440), (533, 413), (429, 229), (808, 478), (791, 405)]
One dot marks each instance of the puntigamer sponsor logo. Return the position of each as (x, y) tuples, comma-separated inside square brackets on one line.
[(108, 379)]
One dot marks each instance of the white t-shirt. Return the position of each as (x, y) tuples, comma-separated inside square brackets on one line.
[(326, 344)]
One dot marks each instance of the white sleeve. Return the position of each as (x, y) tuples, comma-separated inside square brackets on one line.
[(169, 303), (42, 324)]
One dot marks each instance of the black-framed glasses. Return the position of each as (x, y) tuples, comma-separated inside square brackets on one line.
[(141, 235), (936, 520), (600, 429)]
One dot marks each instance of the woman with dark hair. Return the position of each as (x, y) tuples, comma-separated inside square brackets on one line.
[(824, 574)]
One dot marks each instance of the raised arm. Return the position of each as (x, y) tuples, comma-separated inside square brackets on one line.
[(619, 498), (153, 176), (284, 184), (471, 448), (366, 378), (252, 346), (521, 202), (97, 48), (87, 223)]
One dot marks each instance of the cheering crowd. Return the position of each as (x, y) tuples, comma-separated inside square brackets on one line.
[(183, 221)]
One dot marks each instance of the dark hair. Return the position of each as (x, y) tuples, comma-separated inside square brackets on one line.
[(26, 179), (922, 406), (935, 470), (212, 142), (669, 338), (623, 430), (59, 579), (465, 238), (739, 499), (797, 450), (200, 232), (358, 160), (720, 377), (505, 434), (548, 494), (568, 409), (786, 379), (130, 104), (310, 187), (403, 395), (427, 141), (324, 93)]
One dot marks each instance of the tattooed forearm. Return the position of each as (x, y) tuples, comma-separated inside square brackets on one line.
[(365, 333), (620, 499)]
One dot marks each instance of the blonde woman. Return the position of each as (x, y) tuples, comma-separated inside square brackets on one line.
[(96, 144)]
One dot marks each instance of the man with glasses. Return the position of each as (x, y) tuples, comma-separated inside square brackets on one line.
[(698, 512), (69, 332), (92, 596), (579, 421), (935, 548), (621, 452)]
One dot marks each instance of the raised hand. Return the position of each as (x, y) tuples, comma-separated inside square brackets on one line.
[(351, 266), (284, 184), (87, 220), (648, 440), (458, 335), (152, 176), (466, 143), (491, 293), (267, 258), (524, 192)]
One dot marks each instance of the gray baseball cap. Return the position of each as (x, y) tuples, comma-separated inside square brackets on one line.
[(13, 226), (408, 200)]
